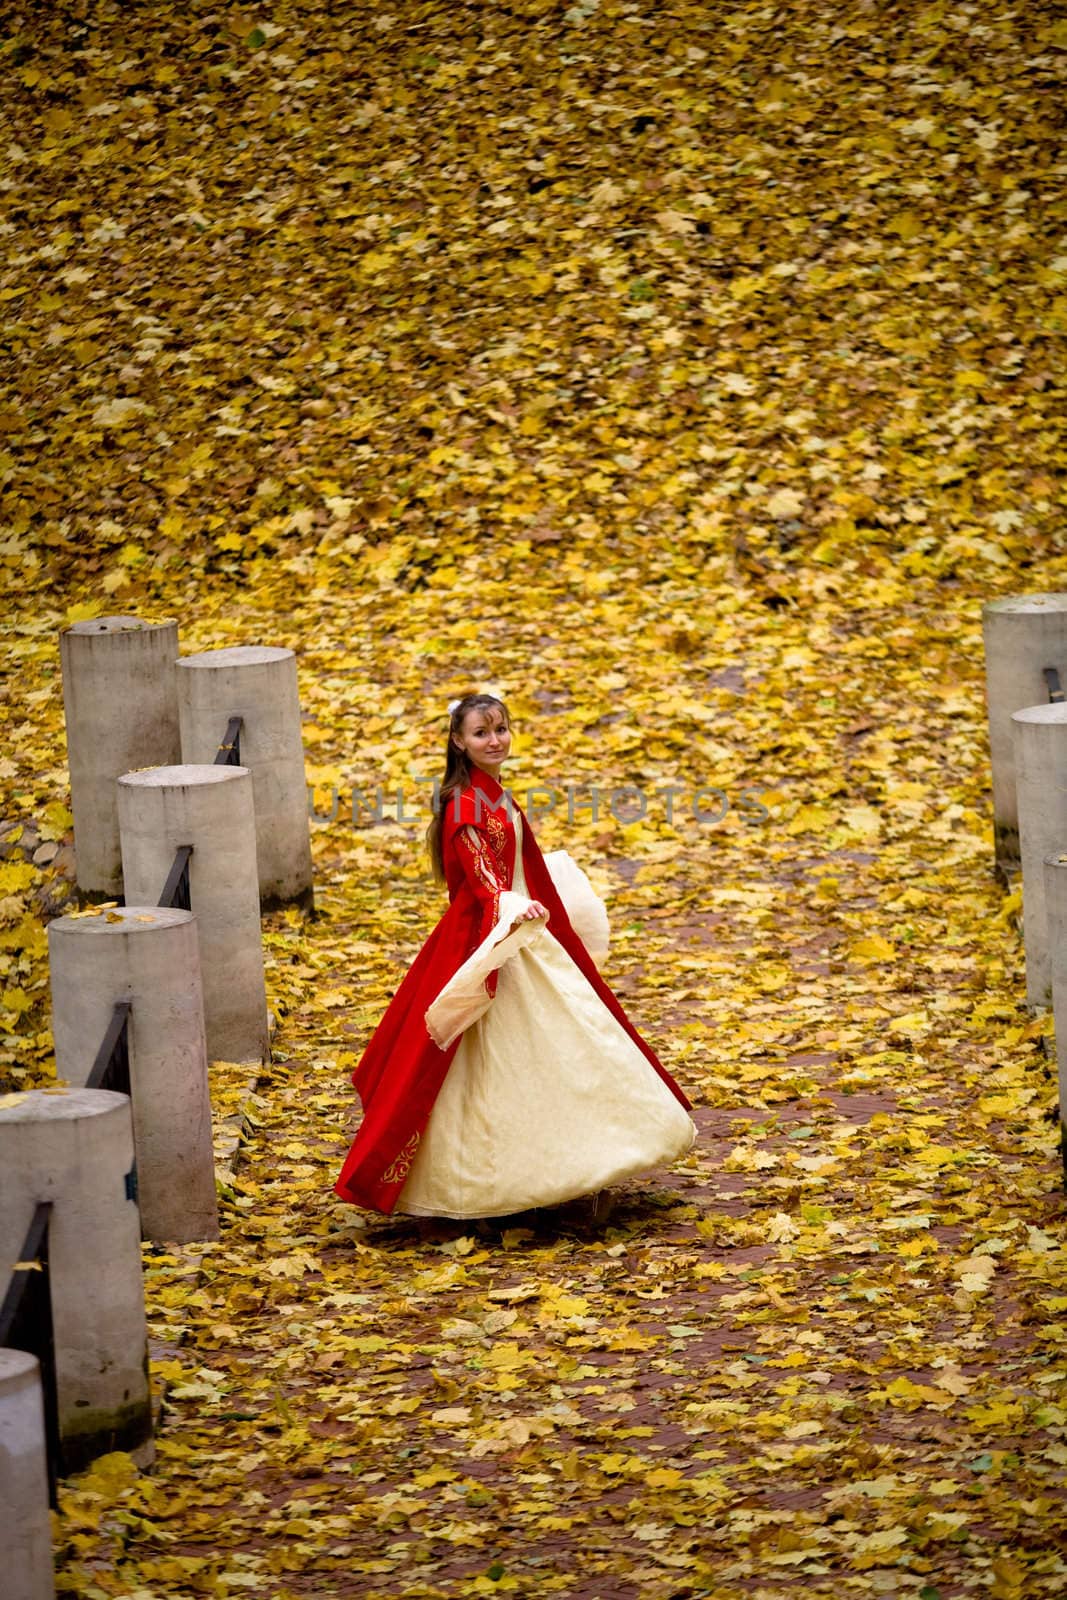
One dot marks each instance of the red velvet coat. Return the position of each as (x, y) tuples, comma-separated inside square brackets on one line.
[(402, 1069)]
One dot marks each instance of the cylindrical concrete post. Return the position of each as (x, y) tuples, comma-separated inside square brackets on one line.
[(257, 683), (1056, 911), (1023, 635), (120, 701), (149, 956), (1041, 791), (211, 809), (25, 1528), (74, 1147)]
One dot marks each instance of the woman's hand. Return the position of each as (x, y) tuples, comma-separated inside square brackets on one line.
[(533, 911)]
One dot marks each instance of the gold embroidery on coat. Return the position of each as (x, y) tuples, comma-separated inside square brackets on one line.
[(485, 869), (497, 832), (397, 1171)]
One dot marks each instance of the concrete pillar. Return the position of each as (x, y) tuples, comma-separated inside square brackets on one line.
[(211, 809), (1056, 911), (257, 683), (121, 707), (1022, 636), (1041, 791), (75, 1148), (147, 955), (25, 1528)]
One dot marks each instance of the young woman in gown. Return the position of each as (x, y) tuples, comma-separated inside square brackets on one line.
[(504, 1074)]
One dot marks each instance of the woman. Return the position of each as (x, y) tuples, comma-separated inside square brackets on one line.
[(504, 1074)]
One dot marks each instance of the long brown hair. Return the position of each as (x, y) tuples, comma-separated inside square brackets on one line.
[(457, 772)]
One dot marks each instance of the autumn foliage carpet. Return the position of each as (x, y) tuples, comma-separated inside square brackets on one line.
[(689, 374)]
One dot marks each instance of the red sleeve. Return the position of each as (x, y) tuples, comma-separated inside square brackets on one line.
[(482, 871)]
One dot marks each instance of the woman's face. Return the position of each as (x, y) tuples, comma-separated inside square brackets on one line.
[(485, 737)]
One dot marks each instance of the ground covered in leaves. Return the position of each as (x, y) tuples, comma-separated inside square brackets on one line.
[(687, 375)]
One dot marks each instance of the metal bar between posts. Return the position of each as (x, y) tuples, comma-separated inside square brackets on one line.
[(230, 749), (111, 1069), (26, 1324), (176, 889)]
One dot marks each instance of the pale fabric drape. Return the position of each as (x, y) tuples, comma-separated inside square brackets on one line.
[(547, 1096), (583, 905)]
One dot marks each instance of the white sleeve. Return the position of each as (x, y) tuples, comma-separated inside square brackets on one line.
[(464, 997)]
